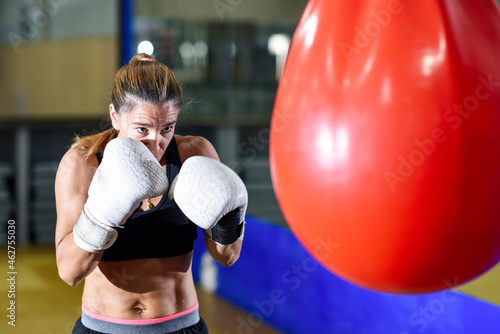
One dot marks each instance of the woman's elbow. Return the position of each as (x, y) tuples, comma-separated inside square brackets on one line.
[(68, 276), (68, 272), (229, 262), (229, 259)]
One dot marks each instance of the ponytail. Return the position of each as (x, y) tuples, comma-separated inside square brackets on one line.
[(90, 145)]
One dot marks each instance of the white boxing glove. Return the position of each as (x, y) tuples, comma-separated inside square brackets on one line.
[(128, 174), (212, 196)]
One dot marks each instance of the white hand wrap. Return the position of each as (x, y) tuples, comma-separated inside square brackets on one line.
[(206, 190), (128, 174)]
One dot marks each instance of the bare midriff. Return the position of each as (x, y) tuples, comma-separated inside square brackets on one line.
[(141, 289)]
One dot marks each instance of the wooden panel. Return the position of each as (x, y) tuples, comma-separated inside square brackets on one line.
[(61, 79)]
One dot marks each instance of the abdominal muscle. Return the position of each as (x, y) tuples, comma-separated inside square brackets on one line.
[(141, 289)]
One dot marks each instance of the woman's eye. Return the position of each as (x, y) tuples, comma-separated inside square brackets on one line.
[(168, 129), (142, 130)]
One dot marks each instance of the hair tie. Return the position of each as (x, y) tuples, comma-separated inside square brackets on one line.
[(146, 59)]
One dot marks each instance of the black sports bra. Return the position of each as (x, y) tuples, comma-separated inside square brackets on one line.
[(163, 231)]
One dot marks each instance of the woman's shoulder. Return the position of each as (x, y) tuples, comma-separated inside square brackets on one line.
[(74, 163), (189, 146), (79, 158)]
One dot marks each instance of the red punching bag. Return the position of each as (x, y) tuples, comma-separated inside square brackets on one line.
[(385, 140)]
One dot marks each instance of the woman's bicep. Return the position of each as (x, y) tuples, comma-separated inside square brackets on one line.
[(71, 191), (73, 179)]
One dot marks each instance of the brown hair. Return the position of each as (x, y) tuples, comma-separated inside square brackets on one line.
[(143, 79)]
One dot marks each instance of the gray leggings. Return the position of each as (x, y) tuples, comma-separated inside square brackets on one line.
[(199, 328)]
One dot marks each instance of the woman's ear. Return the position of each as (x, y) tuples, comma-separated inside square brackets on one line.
[(114, 117)]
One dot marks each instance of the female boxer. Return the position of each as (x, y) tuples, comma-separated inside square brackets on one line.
[(119, 230)]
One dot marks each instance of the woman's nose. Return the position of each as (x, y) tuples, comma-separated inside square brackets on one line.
[(152, 141)]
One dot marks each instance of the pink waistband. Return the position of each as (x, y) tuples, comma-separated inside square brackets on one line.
[(139, 322)]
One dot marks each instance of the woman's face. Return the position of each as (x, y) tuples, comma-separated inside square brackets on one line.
[(149, 123)]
